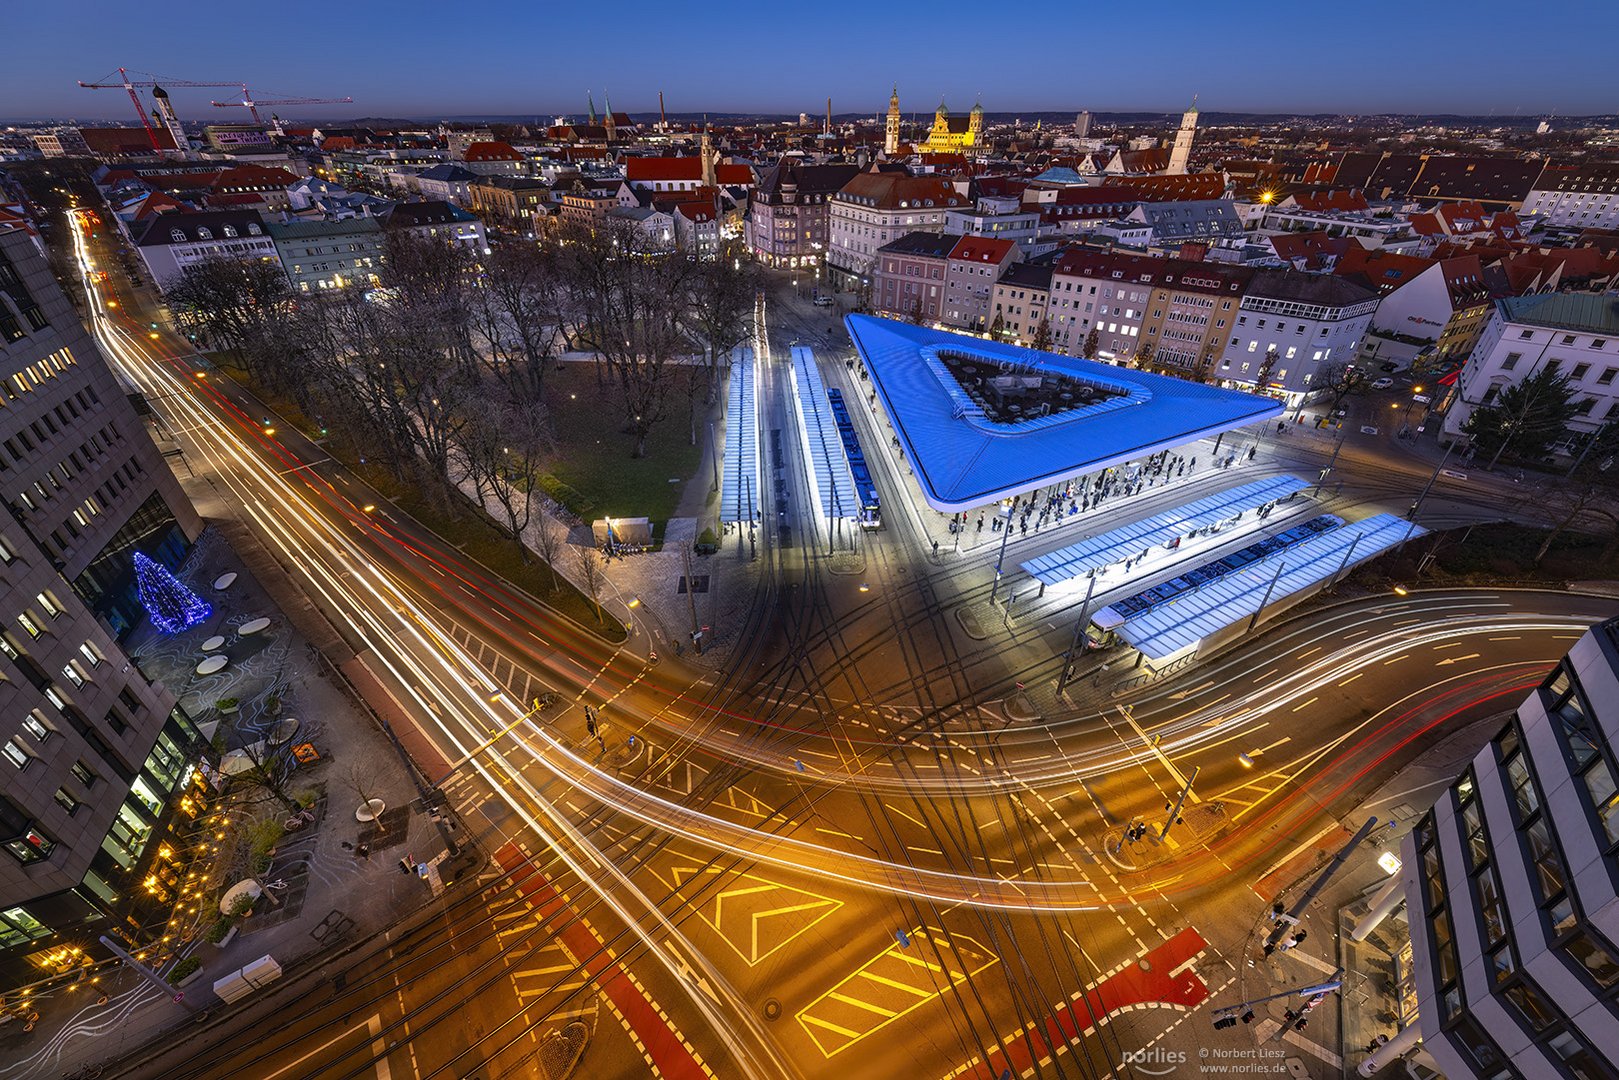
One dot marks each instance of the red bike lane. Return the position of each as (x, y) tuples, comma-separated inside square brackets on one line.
[(665, 1050)]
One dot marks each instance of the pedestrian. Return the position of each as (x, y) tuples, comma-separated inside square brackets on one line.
[(363, 851), (980, 522)]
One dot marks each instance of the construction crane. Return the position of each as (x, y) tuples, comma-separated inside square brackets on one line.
[(128, 85), (252, 106)]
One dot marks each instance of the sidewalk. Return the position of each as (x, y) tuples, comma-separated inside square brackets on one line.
[(1376, 997), (324, 880)]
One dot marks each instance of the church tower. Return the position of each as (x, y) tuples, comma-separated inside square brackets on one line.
[(591, 96), (975, 125), (891, 134), (710, 171), (1181, 155), (612, 126)]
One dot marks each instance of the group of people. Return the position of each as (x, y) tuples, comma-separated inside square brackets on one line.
[(1043, 508)]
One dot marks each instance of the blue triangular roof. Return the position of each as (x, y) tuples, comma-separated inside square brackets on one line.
[(964, 458)]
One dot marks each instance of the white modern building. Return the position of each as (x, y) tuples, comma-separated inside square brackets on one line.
[(1510, 891), (168, 243), (1312, 321), (1575, 334), (1584, 196)]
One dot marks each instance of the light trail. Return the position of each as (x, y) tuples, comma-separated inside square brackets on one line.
[(447, 685), (450, 689)]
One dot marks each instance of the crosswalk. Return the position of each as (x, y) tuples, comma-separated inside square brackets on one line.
[(547, 981)]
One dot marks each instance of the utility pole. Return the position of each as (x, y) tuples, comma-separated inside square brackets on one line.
[(1175, 814), (147, 973), (1079, 643), (1228, 1015), (1343, 432), (1291, 918), (712, 453), (1006, 534), (1260, 610), (1338, 575)]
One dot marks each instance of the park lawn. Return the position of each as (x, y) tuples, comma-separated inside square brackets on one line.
[(593, 449), (471, 531)]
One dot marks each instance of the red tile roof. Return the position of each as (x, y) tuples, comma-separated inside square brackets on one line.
[(124, 142), (490, 151), (1172, 187), (339, 142), (696, 212), (981, 249), (888, 191), (663, 168), (1384, 271), (1341, 199), (159, 203)]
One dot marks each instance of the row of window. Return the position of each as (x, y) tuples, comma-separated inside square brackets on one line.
[(1584, 951), (17, 307), (1568, 339)]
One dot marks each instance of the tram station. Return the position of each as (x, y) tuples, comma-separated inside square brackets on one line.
[(982, 422)]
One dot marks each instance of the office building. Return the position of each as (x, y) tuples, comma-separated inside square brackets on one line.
[(1510, 889), (97, 760)]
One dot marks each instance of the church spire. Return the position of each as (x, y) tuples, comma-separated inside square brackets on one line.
[(591, 96)]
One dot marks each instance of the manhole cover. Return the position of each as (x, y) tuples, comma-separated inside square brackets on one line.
[(772, 1009)]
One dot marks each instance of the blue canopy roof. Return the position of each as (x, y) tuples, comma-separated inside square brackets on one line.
[(966, 455), (1164, 631), (1117, 545)]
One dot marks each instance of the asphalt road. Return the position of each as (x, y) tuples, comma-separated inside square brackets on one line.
[(841, 857)]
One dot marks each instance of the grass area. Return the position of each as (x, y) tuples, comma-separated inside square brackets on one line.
[(593, 449), (1498, 553), (471, 531)]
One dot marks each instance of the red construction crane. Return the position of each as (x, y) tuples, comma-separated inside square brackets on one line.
[(252, 106), (127, 85)]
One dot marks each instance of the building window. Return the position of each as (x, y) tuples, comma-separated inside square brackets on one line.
[(36, 726), (16, 754), (1584, 747), (81, 772), (30, 847), (65, 799)]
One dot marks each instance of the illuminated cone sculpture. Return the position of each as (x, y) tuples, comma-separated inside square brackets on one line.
[(172, 606)]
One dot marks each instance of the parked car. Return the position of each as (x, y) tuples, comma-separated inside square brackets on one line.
[(1383, 384), (823, 301), (1388, 365)]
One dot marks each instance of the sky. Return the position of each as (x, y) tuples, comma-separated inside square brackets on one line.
[(410, 58)]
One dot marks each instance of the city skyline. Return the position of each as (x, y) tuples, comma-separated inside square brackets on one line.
[(1375, 66)]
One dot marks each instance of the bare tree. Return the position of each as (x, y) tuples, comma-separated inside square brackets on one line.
[(590, 574), (1336, 381), (548, 541), (628, 295), (503, 448), (1093, 342), (1266, 366), (518, 315), (359, 778), (720, 305), (231, 301)]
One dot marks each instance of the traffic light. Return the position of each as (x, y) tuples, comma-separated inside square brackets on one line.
[(1248, 1017), (1224, 1020)]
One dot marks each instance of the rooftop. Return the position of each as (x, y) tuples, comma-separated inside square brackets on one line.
[(982, 420), (1596, 313)]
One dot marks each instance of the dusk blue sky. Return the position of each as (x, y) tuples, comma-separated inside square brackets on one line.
[(410, 58)]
